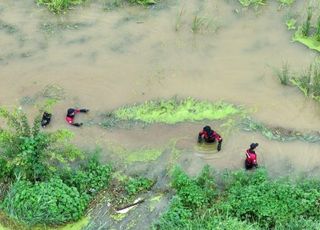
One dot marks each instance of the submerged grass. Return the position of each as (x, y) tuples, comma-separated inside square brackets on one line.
[(59, 6), (278, 133), (254, 3), (283, 74), (172, 111)]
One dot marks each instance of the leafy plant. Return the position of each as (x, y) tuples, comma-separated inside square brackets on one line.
[(30, 153), (51, 202), (135, 185), (90, 178), (291, 24), (142, 2), (59, 6)]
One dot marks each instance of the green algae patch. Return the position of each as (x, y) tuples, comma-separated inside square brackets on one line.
[(172, 111), (310, 42), (279, 133)]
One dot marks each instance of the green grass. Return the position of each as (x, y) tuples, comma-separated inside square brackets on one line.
[(283, 74), (171, 111), (254, 3), (286, 2), (278, 133), (59, 6), (241, 200)]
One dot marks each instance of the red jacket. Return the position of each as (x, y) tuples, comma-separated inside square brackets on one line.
[(251, 157), (71, 114), (214, 136)]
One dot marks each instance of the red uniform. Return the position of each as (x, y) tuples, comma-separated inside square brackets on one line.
[(213, 136), (71, 114), (251, 159)]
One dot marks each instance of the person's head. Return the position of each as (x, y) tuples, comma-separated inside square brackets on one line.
[(207, 129), (253, 146)]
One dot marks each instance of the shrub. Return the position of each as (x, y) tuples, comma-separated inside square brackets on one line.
[(30, 153), (51, 202), (90, 178), (136, 185)]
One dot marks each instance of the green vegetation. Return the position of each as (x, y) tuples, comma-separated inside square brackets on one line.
[(309, 81), (254, 3), (242, 201), (29, 153), (278, 133), (171, 111), (45, 190), (283, 74), (59, 6), (51, 202), (309, 34), (286, 2)]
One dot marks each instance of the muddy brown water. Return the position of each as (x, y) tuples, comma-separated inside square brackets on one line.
[(105, 59)]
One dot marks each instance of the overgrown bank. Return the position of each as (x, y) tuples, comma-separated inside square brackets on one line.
[(45, 180), (241, 200)]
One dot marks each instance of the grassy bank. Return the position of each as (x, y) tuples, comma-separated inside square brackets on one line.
[(241, 200)]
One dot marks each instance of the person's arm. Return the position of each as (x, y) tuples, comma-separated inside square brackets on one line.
[(200, 137), (218, 138)]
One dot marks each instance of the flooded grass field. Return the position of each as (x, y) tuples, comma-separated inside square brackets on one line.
[(103, 57)]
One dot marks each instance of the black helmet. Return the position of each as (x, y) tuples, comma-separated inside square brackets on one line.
[(253, 145)]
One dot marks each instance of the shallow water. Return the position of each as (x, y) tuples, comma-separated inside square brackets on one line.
[(106, 59)]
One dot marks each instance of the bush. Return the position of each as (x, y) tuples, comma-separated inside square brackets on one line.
[(135, 185), (245, 201), (51, 202), (90, 178)]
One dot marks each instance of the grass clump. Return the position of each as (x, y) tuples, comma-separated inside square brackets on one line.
[(308, 34), (241, 201), (172, 111), (286, 2), (284, 74), (254, 3), (279, 133), (309, 81), (59, 6)]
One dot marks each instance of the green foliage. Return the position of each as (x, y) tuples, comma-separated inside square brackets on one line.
[(142, 2), (51, 202), (307, 24), (286, 2), (30, 153), (291, 24), (309, 81), (59, 6), (90, 178), (244, 201), (269, 203), (278, 133), (284, 74), (254, 3), (173, 111), (135, 185)]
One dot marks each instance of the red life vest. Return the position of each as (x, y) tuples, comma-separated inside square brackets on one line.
[(212, 137), (251, 157)]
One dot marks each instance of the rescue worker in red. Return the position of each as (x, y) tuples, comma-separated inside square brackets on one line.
[(71, 113), (251, 157), (210, 136)]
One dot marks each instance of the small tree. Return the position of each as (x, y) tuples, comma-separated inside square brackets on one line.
[(28, 152)]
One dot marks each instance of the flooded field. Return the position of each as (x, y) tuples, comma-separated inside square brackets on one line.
[(104, 58)]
